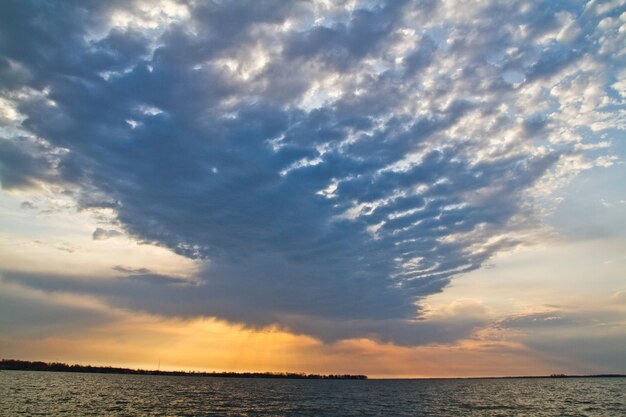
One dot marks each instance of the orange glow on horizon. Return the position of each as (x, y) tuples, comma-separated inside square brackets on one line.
[(142, 341)]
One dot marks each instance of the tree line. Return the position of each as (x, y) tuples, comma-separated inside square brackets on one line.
[(20, 365)]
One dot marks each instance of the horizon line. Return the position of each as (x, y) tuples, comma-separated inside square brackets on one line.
[(65, 367)]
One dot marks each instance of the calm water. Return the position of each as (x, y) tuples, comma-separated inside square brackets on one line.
[(51, 393)]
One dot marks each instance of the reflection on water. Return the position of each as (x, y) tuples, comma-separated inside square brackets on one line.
[(51, 393)]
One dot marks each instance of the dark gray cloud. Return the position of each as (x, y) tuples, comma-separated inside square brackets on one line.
[(27, 205), (103, 234), (331, 174), (21, 166), (593, 337), (37, 316), (129, 270), (323, 315)]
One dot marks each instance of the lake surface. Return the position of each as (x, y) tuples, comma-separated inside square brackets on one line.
[(52, 393)]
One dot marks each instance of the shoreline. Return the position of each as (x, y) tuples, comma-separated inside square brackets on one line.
[(40, 366)]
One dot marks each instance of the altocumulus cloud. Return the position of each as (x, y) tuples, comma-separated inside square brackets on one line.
[(332, 164)]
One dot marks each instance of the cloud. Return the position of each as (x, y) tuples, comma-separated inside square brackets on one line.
[(331, 166), (549, 319), (619, 297), (146, 276), (27, 205), (594, 337), (21, 165), (34, 314), (103, 234), (178, 297), (129, 270)]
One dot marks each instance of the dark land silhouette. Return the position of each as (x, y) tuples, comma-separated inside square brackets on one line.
[(19, 365)]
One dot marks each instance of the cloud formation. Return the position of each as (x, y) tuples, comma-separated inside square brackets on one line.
[(332, 164), (589, 336), (103, 234)]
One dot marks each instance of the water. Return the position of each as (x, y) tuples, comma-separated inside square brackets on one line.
[(51, 393)]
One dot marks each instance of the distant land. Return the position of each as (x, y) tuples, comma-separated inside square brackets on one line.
[(533, 376), (19, 365)]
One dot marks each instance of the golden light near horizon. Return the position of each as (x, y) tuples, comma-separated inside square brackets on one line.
[(212, 346)]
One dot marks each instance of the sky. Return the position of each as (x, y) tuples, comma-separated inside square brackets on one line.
[(400, 189)]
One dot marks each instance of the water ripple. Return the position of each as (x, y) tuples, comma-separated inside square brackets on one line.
[(73, 394)]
